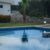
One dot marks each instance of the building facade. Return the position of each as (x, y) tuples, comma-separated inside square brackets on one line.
[(5, 7)]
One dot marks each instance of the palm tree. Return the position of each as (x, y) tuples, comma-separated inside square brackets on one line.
[(24, 6)]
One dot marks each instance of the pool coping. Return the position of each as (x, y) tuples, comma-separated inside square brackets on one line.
[(38, 27), (42, 26)]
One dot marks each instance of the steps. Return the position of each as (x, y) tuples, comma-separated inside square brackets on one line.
[(46, 34)]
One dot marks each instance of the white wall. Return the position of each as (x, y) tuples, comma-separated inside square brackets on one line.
[(16, 2), (6, 10)]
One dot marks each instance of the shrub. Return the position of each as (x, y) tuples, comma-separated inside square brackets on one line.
[(5, 18)]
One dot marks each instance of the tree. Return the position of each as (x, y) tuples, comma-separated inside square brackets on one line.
[(36, 8), (24, 6), (46, 7)]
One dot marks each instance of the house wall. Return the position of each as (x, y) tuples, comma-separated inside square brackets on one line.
[(6, 9)]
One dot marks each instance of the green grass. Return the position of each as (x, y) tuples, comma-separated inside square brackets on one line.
[(18, 24)]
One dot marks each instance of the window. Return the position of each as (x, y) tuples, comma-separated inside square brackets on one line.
[(1, 6)]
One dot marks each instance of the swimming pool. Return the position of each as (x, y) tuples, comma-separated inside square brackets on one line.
[(11, 39)]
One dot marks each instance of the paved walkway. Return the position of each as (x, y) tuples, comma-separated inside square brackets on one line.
[(44, 26)]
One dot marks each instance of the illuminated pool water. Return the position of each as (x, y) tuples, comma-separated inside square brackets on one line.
[(11, 40)]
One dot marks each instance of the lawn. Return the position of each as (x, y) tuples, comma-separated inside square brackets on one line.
[(18, 24)]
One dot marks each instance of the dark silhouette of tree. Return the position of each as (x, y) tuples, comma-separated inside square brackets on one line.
[(24, 5), (38, 8)]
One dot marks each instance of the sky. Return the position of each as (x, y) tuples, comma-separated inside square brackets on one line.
[(16, 1)]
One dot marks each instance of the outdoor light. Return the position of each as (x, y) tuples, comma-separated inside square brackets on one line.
[(44, 22)]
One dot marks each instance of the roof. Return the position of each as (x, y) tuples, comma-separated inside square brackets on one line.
[(6, 1)]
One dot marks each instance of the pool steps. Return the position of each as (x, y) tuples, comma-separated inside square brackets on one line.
[(46, 34)]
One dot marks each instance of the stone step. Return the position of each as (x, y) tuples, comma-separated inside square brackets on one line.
[(46, 34)]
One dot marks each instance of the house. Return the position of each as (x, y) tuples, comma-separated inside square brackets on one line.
[(5, 7), (8, 11)]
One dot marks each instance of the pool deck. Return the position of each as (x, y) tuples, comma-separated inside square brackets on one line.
[(43, 26), (38, 27)]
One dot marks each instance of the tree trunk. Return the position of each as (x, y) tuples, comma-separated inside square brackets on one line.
[(24, 15)]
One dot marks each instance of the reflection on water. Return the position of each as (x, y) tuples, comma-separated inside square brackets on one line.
[(24, 37), (11, 40), (2, 33)]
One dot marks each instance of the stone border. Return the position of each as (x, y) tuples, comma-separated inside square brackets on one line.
[(37, 27)]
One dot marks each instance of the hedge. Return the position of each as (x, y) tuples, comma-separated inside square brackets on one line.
[(5, 18)]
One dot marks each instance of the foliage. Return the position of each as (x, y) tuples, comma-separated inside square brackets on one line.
[(24, 5), (38, 8), (5, 18)]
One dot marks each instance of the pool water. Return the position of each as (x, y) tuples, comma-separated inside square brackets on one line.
[(11, 40)]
